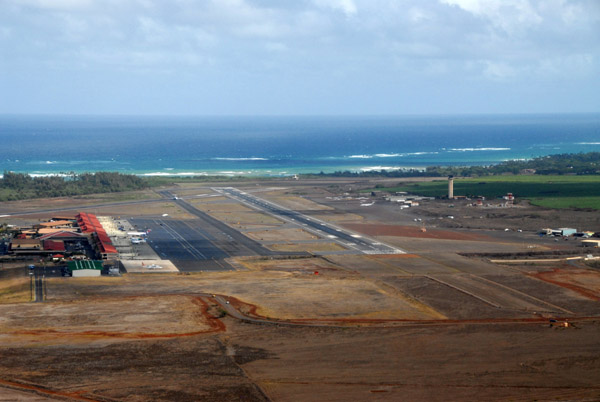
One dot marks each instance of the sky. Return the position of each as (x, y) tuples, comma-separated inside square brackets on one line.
[(299, 57)]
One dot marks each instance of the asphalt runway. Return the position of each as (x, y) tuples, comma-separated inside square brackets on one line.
[(325, 230), (201, 244), (186, 243), (205, 240), (232, 241)]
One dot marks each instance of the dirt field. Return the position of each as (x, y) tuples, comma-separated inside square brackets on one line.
[(246, 219), (219, 204), (290, 235), (294, 202), (282, 289), (307, 247), (14, 290), (76, 202), (235, 214), (440, 323), (584, 282), (104, 319), (415, 232)]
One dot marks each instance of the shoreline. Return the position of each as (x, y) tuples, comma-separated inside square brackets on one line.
[(186, 173)]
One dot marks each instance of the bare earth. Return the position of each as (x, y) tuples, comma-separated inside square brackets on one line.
[(438, 323)]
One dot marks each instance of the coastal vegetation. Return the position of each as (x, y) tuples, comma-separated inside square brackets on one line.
[(559, 164), (20, 186), (555, 181)]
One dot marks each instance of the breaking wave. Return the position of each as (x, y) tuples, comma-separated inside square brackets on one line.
[(478, 149), (240, 159), (155, 174), (392, 155)]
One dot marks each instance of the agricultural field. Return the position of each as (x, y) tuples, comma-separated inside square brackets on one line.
[(546, 191)]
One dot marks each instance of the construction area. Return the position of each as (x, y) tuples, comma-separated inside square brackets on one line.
[(294, 291)]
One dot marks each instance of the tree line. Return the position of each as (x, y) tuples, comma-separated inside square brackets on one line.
[(19, 186), (559, 164)]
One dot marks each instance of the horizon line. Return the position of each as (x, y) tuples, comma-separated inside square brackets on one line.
[(332, 115)]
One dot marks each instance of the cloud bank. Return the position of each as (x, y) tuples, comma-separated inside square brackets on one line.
[(301, 57)]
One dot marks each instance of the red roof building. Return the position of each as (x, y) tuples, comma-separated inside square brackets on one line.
[(89, 223), (56, 224), (62, 235), (54, 246)]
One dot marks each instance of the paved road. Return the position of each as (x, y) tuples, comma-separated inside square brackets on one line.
[(40, 273), (39, 284), (323, 229)]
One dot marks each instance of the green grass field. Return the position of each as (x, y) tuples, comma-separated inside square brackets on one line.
[(546, 191)]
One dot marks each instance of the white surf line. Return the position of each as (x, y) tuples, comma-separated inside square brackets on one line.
[(4, 216), (391, 249)]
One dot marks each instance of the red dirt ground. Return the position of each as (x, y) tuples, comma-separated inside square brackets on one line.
[(561, 278), (77, 395), (214, 323), (249, 310)]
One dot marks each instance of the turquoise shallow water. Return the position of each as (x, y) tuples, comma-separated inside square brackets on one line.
[(42, 145)]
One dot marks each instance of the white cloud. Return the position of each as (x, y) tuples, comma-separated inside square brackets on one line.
[(418, 15), (576, 64), (152, 31), (512, 16), (346, 6), (319, 46), (498, 70), (57, 4)]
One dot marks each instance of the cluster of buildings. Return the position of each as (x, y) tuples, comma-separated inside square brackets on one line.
[(65, 238), (407, 201), (586, 236)]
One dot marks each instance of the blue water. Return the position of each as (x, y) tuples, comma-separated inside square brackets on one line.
[(42, 145)]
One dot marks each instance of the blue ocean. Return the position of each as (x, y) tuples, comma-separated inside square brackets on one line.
[(279, 146)]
